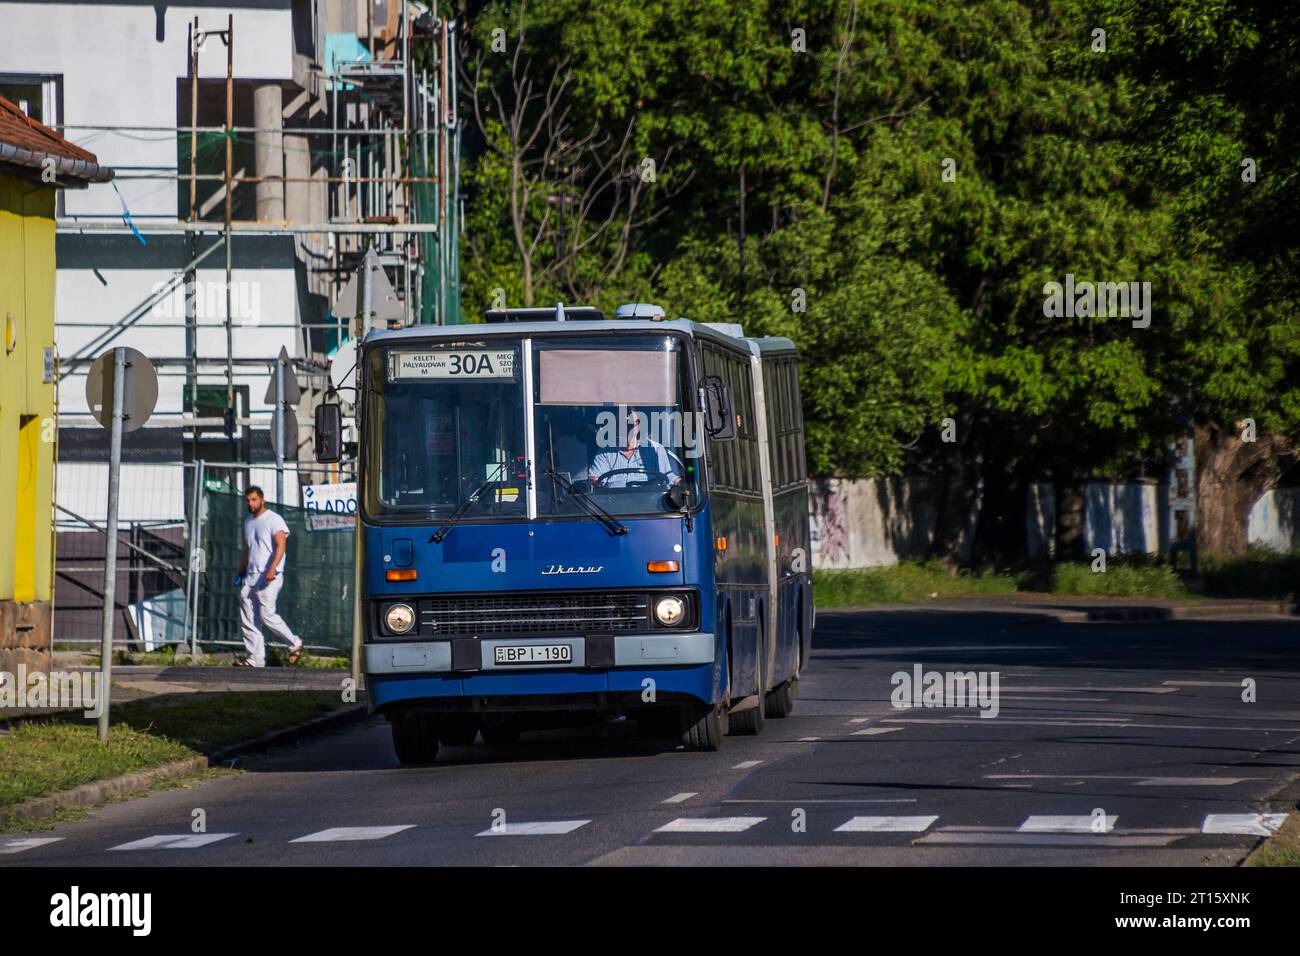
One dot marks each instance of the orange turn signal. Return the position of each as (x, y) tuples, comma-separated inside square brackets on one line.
[(720, 543), (395, 575), (658, 566)]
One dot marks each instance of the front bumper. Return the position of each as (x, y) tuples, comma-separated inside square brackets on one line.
[(463, 657)]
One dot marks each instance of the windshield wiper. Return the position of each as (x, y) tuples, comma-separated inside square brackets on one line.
[(595, 511), (467, 505)]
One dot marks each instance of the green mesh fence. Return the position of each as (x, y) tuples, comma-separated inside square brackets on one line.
[(316, 598)]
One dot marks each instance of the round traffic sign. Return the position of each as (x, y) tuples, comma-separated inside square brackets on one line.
[(139, 389)]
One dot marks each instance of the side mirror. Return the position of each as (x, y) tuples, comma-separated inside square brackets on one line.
[(329, 433), (719, 417), (677, 497)]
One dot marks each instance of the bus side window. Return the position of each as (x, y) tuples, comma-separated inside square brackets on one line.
[(716, 452), (788, 439), (801, 463)]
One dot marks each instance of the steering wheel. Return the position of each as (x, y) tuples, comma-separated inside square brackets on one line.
[(664, 481)]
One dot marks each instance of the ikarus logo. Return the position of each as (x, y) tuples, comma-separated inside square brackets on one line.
[(572, 569)]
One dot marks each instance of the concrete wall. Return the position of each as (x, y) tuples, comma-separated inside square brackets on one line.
[(858, 524)]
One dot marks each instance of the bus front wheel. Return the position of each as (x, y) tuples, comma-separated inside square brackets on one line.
[(504, 734), (706, 725), (415, 738)]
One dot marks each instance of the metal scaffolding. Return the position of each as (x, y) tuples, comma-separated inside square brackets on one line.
[(371, 163)]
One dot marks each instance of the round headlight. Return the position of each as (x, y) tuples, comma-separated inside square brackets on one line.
[(670, 610), (399, 618)]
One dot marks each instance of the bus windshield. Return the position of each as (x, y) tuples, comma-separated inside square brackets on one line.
[(445, 422), (611, 425)]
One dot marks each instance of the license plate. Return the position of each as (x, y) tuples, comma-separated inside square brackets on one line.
[(534, 653)]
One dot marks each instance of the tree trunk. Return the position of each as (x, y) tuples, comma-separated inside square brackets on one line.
[(1231, 475), (1071, 518), (959, 485), (1000, 530)]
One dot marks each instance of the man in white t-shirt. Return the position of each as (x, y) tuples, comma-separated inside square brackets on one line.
[(261, 574)]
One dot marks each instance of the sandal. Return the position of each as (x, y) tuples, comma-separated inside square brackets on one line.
[(240, 662)]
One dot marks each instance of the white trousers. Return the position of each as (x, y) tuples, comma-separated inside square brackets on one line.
[(257, 611)]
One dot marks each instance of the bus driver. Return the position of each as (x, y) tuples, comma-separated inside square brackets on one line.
[(637, 462)]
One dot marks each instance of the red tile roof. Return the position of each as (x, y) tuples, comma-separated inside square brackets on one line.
[(25, 142)]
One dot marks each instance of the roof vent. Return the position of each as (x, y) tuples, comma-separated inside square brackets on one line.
[(639, 310)]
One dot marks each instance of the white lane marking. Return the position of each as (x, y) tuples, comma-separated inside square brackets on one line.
[(808, 740), (1066, 700), (831, 800), (339, 834), (746, 764), (1095, 724), (1044, 839), (886, 825), (872, 731), (710, 825), (535, 828), (9, 847), (1141, 781), (1254, 824), (1075, 823), (174, 841), (1204, 683), (681, 797), (859, 720), (1089, 690)]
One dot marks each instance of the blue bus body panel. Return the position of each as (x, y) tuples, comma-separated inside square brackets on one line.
[(523, 554)]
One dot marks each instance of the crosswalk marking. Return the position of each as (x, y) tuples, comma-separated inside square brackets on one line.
[(535, 828), (710, 825), (680, 797), (1078, 823), (1253, 824), (746, 764), (997, 838), (1138, 780), (340, 834), (872, 731), (886, 825), (174, 841), (9, 847)]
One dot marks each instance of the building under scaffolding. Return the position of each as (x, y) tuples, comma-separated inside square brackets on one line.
[(262, 151)]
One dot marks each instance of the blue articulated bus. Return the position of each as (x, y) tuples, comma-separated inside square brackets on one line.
[(564, 518)]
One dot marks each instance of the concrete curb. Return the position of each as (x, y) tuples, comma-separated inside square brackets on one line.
[(99, 792), (1064, 611)]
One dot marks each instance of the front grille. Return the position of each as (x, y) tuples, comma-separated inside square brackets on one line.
[(546, 613)]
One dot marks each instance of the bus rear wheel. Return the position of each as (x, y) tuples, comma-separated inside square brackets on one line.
[(415, 738), (705, 726), (780, 702), (748, 723)]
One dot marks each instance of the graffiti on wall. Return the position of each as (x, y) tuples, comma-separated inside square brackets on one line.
[(830, 536)]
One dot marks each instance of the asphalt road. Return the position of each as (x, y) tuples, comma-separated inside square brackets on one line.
[(1141, 726)]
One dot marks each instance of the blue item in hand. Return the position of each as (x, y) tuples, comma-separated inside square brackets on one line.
[(239, 580)]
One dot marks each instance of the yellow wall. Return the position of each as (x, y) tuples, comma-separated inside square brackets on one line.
[(27, 431)]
